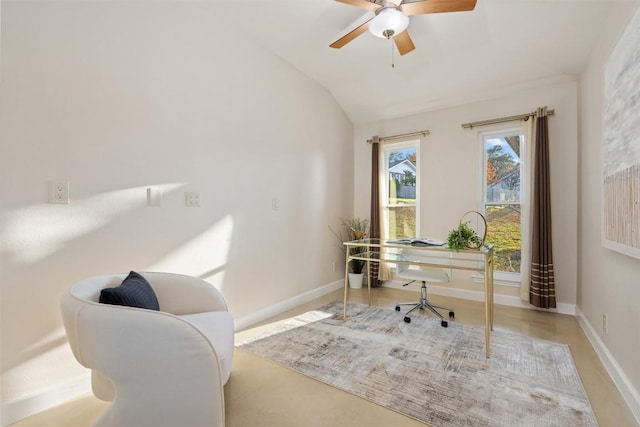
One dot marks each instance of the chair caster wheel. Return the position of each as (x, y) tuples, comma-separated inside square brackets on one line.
[(407, 319), (444, 324), (452, 314), (397, 308)]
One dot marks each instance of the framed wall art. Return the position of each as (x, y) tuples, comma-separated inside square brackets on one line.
[(621, 144)]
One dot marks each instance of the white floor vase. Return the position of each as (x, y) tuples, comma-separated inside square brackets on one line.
[(355, 280)]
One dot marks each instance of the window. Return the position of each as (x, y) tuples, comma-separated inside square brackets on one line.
[(502, 181), (400, 164)]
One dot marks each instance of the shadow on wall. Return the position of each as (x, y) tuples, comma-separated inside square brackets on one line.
[(48, 248)]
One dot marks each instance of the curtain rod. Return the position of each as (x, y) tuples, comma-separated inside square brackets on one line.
[(404, 135), (504, 119)]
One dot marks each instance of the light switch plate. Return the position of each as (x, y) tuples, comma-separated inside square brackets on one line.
[(154, 197), (192, 199)]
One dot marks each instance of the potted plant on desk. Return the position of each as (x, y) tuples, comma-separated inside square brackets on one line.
[(465, 237), (353, 228)]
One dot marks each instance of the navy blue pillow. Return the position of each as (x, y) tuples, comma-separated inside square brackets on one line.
[(135, 291)]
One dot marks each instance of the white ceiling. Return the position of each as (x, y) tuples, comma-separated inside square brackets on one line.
[(460, 57)]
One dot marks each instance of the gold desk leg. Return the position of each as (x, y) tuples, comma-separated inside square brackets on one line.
[(346, 283), (492, 289), (488, 300), (369, 280)]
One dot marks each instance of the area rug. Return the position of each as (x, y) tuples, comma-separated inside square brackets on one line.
[(436, 375)]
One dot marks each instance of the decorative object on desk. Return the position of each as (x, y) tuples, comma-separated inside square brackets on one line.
[(465, 237), (435, 375), (353, 228)]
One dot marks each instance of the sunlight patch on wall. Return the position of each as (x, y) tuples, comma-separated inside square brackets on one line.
[(51, 341), (31, 372), (204, 256), (318, 178), (33, 233)]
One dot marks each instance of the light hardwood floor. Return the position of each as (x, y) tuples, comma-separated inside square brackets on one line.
[(263, 394)]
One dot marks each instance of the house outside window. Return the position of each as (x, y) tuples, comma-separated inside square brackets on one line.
[(501, 197), (401, 174)]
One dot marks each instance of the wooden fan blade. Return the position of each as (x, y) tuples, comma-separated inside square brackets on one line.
[(437, 6), (350, 35), (404, 42), (362, 4)]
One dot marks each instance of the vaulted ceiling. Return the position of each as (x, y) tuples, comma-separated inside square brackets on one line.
[(460, 57)]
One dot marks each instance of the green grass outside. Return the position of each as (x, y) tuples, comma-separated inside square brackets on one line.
[(503, 232)]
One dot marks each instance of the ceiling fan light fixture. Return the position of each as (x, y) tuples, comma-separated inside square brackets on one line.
[(388, 23)]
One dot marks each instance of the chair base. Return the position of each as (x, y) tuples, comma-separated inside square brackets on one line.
[(424, 303)]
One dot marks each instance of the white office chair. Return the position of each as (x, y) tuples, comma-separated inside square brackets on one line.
[(409, 272)]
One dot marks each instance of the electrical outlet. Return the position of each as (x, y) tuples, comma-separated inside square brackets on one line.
[(605, 326), (59, 192), (334, 266), (192, 199)]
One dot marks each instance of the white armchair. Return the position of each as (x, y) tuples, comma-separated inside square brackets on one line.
[(160, 368)]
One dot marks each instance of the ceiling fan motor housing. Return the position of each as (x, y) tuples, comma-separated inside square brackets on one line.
[(388, 22)]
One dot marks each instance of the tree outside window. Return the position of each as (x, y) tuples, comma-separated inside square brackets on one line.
[(502, 198)]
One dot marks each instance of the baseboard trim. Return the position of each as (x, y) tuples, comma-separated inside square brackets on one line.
[(507, 300), (247, 320), (44, 399), (620, 379)]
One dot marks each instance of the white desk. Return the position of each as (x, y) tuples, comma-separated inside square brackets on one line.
[(376, 250)]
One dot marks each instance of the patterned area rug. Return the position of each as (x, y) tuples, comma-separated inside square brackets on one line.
[(436, 375)]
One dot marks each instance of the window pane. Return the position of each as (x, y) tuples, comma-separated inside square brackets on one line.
[(401, 175), (402, 169), (402, 222), (503, 231), (503, 169)]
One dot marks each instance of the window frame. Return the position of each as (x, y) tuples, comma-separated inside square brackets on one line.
[(504, 278), (385, 205)]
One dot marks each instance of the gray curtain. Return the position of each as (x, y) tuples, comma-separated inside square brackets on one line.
[(542, 292), (374, 217)]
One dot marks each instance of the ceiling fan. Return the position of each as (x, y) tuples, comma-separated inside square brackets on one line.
[(392, 19)]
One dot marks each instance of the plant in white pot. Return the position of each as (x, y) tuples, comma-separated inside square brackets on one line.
[(353, 228)]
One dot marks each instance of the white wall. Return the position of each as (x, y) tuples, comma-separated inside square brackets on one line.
[(609, 282), (450, 171), (116, 97)]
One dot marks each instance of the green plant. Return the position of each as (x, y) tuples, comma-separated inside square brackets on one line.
[(353, 228), (463, 237)]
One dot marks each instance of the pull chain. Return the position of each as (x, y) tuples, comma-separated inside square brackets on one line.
[(393, 65)]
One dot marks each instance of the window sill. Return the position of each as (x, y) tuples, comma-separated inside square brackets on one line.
[(511, 280)]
